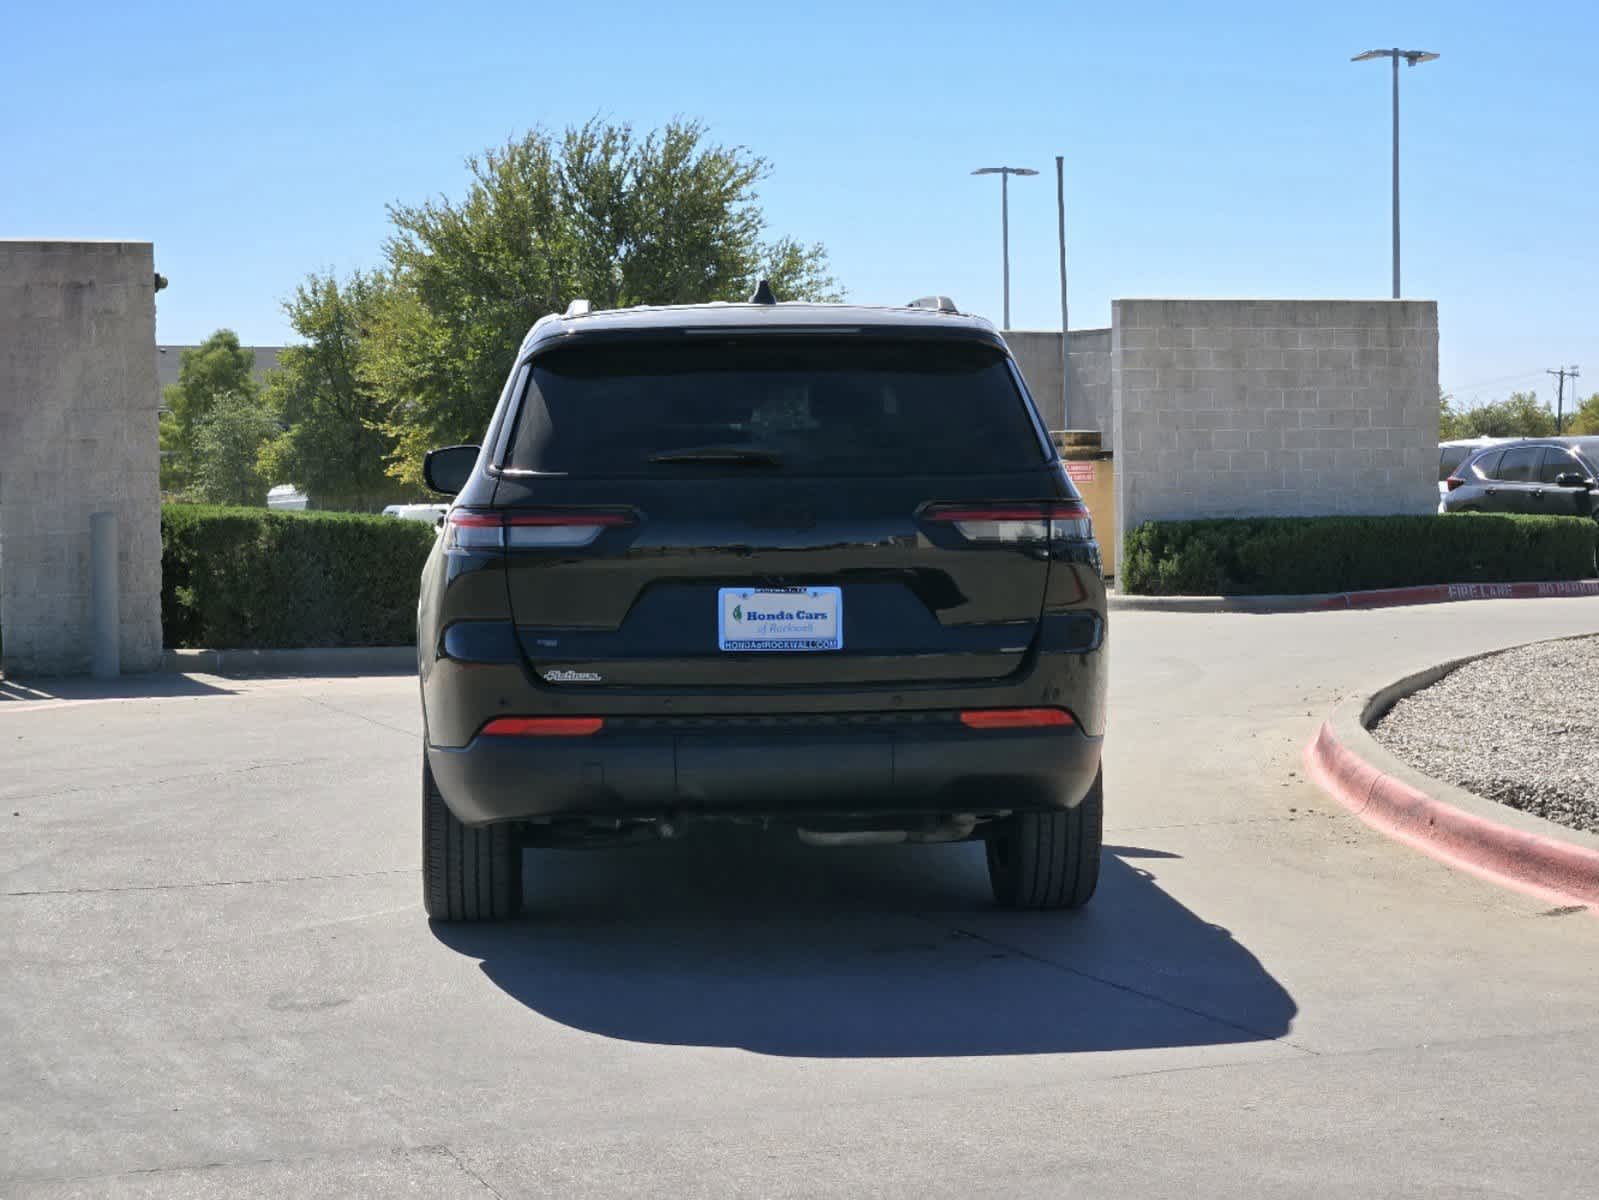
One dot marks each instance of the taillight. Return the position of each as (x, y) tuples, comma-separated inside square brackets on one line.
[(528, 528), (1454, 481), (1030, 521), (543, 726), (1015, 718)]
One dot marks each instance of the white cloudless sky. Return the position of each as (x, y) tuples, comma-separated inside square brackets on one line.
[(1227, 149)]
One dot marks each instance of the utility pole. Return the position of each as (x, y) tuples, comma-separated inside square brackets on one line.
[(1561, 375)]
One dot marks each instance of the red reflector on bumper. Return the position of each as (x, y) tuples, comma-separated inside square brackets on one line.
[(1015, 718), (543, 726)]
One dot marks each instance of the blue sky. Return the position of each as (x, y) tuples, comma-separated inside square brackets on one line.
[(1212, 150)]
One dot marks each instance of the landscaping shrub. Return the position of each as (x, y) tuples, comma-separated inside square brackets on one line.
[(1284, 555), (247, 577)]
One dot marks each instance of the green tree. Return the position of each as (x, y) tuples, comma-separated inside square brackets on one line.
[(217, 367), (1451, 421), (597, 212), (1519, 416), (1585, 421), (332, 445), (227, 445)]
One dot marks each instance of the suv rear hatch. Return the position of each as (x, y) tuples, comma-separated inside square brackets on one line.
[(749, 511)]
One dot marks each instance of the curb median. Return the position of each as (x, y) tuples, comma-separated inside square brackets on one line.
[(311, 660), (1490, 840), (1432, 593)]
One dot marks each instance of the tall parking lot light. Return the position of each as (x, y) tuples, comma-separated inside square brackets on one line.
[(1412, 57), (1004, 174)]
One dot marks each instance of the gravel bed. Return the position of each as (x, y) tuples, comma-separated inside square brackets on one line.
[(1521, 727)]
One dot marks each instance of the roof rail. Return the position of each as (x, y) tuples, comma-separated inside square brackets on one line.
[(579, 308), (936, 303)]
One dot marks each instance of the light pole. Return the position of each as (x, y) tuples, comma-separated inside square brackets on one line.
[(1065, 329), (1412, 57), (1004, 174)]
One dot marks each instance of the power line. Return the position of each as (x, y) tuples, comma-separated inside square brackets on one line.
[(1466, 387)]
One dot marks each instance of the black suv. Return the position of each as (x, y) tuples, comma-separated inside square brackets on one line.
[(804, 564), (1552, 476)]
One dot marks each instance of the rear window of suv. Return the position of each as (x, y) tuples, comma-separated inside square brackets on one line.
[(804, 405)]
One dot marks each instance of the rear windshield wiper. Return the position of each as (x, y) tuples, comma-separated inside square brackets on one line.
[(743, 456)]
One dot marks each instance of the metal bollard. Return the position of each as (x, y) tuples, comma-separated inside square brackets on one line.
[(105, 658)]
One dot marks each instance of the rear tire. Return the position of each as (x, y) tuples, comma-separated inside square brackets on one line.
[(467, 874), (1048, 860)]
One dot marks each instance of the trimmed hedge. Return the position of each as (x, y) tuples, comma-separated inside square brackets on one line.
[(248, 577), (1287, 555)]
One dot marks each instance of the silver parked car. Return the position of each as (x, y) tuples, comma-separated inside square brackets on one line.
[(1551, 476)]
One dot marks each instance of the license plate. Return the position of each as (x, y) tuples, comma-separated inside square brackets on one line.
[(804, 618)]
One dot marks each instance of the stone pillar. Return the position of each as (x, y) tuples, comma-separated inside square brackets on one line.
[(78, 414)]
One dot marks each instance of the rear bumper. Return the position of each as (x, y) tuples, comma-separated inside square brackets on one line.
[(910, 769)]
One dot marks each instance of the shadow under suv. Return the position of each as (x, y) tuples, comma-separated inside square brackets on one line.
[(801, 564)]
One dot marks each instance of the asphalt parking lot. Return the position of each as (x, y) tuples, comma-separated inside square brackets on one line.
[(219, 981)]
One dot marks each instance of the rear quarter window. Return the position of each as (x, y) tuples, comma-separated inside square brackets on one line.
[(1449, 458), (1484, 465), (819, 406)]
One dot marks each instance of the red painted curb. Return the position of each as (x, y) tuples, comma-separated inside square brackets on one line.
[(1558, 872), (1432, 593), (1443, 593)]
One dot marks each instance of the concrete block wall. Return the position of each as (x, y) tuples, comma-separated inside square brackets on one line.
[(78, 435), (1038, 355), (1234, 408)]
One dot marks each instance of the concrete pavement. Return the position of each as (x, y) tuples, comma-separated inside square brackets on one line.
[(218, 980)]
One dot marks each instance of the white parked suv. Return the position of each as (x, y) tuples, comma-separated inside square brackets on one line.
[(431, 513)]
